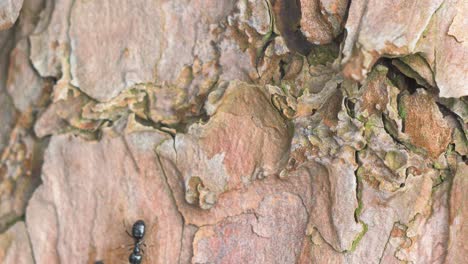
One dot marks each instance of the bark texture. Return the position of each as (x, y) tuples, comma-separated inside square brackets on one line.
[(249, 131)]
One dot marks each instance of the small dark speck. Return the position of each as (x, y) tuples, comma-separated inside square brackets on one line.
[(99, 262), (402, 185)]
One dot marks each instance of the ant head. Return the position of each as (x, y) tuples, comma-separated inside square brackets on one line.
[(138, 229)]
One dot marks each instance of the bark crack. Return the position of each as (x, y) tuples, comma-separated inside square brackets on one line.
[(386, 243), (172, 195)]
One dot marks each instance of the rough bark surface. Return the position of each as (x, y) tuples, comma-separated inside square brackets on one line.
[(249, 131)]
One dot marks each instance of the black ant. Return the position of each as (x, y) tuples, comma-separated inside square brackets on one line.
[(138, 232)]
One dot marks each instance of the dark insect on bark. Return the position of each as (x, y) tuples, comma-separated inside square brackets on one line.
[(138, 232)]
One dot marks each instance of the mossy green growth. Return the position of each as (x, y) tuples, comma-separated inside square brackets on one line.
[(438, 166), (371, 126), (395, 160), (322, 54), (358, 210), (266, 40), (401, 111), (443, 176), (359, 237)]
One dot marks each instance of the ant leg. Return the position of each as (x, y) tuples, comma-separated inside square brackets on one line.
[(126, 229), (129, 246), (155, 223)]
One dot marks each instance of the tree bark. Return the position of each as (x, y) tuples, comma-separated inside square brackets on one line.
[(249, 131)]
